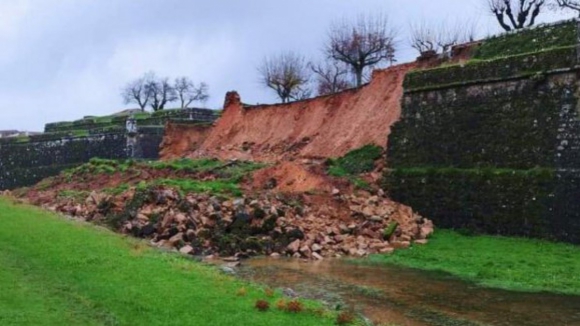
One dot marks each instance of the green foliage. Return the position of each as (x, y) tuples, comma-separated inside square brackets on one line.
[(390, 230), (530, 40), (188, 165), (76, 195), (103, 166), (510, 263), (355, 162), (216, 187), (500, 68), (76, 274)]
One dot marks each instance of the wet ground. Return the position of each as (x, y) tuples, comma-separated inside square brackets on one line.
[(397, 296)]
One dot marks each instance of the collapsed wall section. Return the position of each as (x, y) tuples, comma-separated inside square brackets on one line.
[(327, 126), (493, 146)]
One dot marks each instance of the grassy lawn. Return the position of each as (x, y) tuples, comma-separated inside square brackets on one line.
[(509, 263), (59, 272)]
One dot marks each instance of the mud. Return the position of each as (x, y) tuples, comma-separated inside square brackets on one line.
[(328, 126), (410, 297)]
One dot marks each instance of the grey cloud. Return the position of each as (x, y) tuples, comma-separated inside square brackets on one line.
[(63, 59)]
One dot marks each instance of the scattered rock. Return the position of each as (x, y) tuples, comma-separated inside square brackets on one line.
[(186, 250), (228, 270), (294, 246)]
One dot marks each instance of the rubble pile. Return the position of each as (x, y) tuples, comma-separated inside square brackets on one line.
[(302, 226)]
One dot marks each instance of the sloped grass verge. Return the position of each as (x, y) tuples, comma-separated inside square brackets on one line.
[(59, 272), (510, 263)]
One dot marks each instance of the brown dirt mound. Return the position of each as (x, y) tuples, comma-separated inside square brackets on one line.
[(328, 126), (290, 177), (180, 139)]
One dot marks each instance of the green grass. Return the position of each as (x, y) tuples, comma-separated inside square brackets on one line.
[(228, 175), (501, 262), (217, 187), (60, 272), (355, 162)]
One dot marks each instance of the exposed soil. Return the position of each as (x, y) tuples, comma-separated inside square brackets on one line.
[(291, 177), (180, 139), (328, 126)]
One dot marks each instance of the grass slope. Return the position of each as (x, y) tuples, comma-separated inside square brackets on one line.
[(509, 263), (58, 272)]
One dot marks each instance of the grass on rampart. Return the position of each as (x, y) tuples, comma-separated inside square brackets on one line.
[(59, 272), (509, 263)]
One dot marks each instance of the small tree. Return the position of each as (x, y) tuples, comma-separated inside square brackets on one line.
[(516, 14), (441, 38), (331, 77), (287, 74), (568, 4), (362, 44), (187, 92), (137, 91), (161, 92)]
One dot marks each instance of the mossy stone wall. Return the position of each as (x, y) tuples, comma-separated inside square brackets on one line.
[(27, 160), (25, 163), (498, 154)]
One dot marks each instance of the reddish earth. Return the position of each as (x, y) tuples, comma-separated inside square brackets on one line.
[(290, 177), (328, 126), (181, 139)]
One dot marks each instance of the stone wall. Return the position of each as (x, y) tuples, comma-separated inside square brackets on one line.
[(27, 160), (493, 145)]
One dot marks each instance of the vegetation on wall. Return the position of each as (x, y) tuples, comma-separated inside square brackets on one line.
[(518, 66), (530, 40)]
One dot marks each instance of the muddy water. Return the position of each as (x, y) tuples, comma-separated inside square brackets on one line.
[(399, 296)]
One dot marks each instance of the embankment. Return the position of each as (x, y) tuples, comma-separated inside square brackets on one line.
[(327, 126)]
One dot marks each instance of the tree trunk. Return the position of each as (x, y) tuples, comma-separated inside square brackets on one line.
[(358, 72)]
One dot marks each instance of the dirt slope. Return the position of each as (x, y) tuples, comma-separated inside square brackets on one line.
[(328, 126), (180, 139)]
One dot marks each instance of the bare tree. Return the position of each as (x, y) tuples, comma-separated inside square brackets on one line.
[(362, 44), (423, 38), (568, 4), (137, 91), (287, 74), (331, 77), (161, 92), (516, 14), (187, 92), (441, 38)]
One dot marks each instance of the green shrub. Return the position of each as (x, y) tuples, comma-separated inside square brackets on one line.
[(358, 161)]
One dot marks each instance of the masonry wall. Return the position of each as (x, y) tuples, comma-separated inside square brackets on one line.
[(26, 160), (493, 145)]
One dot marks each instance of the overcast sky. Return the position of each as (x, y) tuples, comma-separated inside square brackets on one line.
[(64, 59)]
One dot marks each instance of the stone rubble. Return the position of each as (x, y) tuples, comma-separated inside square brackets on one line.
[(198, 224)]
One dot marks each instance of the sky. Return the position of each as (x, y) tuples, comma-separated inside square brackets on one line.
[(61, 60)]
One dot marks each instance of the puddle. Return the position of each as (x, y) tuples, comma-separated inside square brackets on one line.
[(409, 297)]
